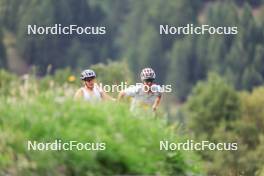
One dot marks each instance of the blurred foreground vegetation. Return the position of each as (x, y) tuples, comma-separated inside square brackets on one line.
[(43, 110)]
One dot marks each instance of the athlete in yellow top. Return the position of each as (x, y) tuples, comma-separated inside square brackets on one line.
[(145, 95), (91, 92)]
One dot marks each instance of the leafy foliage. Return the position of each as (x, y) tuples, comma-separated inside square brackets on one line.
[(113, 72), (211, 103), (217, 113)]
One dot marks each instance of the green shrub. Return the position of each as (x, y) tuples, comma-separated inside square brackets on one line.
[(113, 72), (132, 142)]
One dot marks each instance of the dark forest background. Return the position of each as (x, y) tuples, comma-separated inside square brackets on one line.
[(133, 35)]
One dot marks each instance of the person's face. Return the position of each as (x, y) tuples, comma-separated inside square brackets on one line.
[(89, 82), (148, 82)]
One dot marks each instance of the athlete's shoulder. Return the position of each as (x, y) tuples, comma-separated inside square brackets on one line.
[(79, 93), (133, 87), (98, 87), (132, 90), (156, 89), (80, 90)]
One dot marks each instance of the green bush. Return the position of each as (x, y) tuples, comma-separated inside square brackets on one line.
[(132, 142), (216, 112), (211, 102), (113, 72)]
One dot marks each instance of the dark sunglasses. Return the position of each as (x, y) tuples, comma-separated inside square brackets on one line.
[(148, 80), (89, 79)]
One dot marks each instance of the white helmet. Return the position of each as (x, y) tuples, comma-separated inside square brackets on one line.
[(147, 73), (87, 74)]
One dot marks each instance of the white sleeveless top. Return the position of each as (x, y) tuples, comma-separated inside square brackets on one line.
[(95, 95), (142, 98)]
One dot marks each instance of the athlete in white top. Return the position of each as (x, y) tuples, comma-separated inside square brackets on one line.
[(91, 91), (146, 95)]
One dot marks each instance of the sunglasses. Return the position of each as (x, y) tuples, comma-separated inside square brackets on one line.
[(148, 80), (89, 79)]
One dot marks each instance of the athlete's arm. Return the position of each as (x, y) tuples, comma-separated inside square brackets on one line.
[(105, 96), (121, 95), (156, 103), (129, 92), (78, 95)]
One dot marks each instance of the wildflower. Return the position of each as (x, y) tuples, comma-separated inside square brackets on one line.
[(71, 78)]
